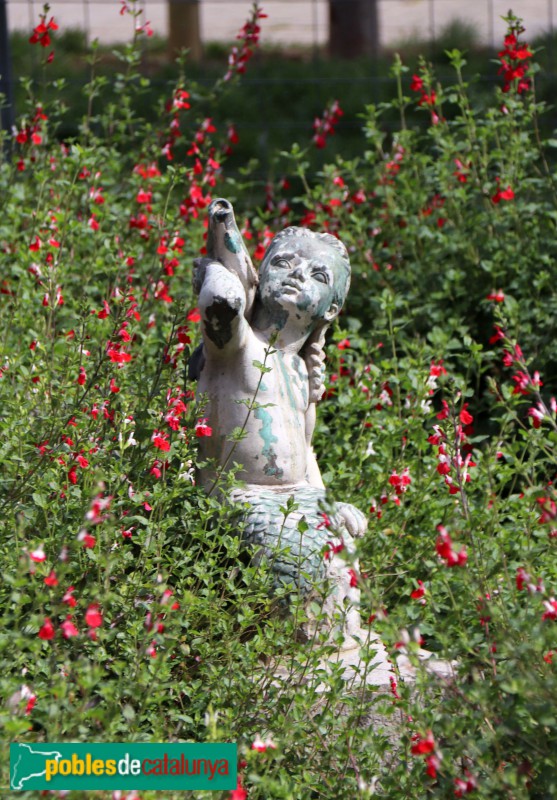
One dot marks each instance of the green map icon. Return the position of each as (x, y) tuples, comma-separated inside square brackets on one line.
[(29, 763)]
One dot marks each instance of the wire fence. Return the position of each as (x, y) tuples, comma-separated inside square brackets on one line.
[(290, 24), (294, 22)]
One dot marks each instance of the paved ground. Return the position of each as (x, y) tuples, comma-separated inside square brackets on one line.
[(290, 21)]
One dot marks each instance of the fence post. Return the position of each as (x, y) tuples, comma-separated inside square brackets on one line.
[(184, 28), (353, 28), (7, 115)]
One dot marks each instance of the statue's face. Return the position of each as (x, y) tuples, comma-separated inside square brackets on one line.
[(300, 275)]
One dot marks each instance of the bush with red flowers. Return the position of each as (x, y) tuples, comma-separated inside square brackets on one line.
[(130, 610)]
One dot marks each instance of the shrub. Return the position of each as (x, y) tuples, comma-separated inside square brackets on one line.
[(130, 610)]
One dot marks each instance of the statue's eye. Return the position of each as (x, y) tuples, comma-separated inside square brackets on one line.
[(281, 262), (322, 277)]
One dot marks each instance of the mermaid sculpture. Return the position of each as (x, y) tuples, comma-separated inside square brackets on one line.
[(260, 372)]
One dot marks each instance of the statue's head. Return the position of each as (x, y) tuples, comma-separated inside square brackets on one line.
[(306, 273)]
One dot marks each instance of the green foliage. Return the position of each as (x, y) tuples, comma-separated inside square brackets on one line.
[(130, 609)]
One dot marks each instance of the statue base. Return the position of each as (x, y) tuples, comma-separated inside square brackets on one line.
[(374, 669)]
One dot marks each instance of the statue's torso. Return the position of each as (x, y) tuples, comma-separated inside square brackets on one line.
[(273, 450)]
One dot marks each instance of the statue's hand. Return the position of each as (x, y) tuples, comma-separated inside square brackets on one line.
[(316, 371), (355, 521)]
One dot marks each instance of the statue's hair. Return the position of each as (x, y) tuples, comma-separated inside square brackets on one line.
[(339, 296), (306, 233)]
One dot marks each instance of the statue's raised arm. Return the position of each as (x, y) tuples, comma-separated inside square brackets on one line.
[(225, 245), (226, 283)]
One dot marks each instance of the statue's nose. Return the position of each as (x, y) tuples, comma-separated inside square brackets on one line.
[(299, 272)]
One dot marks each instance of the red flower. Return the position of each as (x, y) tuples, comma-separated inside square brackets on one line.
[(51, 579), (461, 172), (239, 793), (68, 628), (418, 593), (537, 415), (444, 465), (202, 429), (118, 356), (436, 369), (463, 787), (496, 297), (436, 438), (551, 609), (160, 440), (524, 383), (423, 745), (104, 312), (417, 83), (444, 413), (444, 547), (325, 126), (394, 690), (549, 509), (259, 745), (144, 196), (47, 629), (165, 599), (88, 539), (428, 100), (38, 555), (40, 34), (180, 99), (325, 521), (232, 135), (249, 38), (465, 417), (522, 578), (433, 763), (513, 61), (30, 703), (68, 597), (497, 336), (506, 194), (93, 616), (99, 504), (332, 548), (400, 482)]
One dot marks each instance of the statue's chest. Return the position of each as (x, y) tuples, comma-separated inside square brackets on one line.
[(286, 384)]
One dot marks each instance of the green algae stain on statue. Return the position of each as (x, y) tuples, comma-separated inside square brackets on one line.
[(277, 319), (266, 434)]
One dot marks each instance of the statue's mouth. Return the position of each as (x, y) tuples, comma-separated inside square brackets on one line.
[(292, 285)]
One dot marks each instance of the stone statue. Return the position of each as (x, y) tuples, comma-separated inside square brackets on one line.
[(260, 371)]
